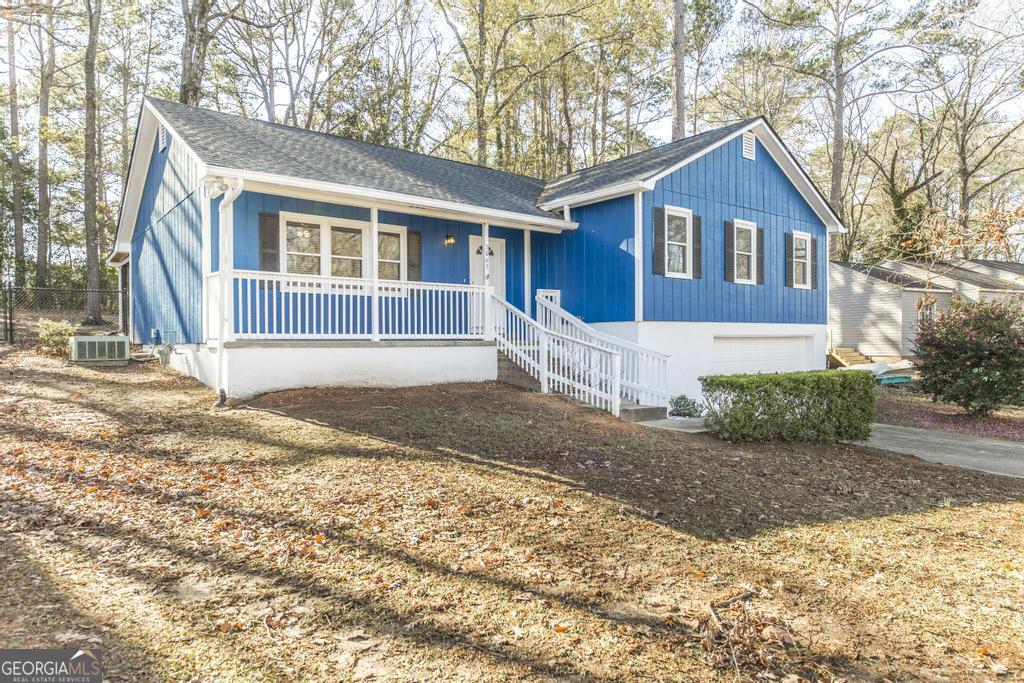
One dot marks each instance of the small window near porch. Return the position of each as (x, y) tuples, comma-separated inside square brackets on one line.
[(389, 258), (746, 248), (302, 248), (346, 252), (801, 260)]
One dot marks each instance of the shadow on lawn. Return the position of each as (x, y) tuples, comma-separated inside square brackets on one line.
[(37, 613), (698, 485)]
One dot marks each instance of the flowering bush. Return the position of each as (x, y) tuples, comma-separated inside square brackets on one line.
[(972, 354)]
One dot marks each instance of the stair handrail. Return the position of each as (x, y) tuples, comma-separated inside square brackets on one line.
[(586, 371), (645, 371)]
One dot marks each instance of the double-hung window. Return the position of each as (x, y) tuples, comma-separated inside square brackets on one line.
[(801, 260), (340, 247), (745, 260), (678, 242)]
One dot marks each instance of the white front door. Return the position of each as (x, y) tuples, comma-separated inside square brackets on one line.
[(476, 263)]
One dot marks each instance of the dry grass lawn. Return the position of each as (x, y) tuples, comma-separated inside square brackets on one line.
[(477, 532)]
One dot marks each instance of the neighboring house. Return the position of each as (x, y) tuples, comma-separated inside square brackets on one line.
[(276, 257), (1004, 270), (875, 309)]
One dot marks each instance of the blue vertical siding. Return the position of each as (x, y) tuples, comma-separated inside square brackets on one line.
[(722, 186), (592, 265), (440, 263), (166, 272)]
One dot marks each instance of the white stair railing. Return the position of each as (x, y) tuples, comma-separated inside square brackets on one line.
[(583, 371), (644, 372)]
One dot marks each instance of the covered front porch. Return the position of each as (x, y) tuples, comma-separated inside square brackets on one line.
[(287, 262)]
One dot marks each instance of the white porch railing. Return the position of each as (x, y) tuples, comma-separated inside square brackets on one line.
[(265, 305), (573, 367), (644, 372)]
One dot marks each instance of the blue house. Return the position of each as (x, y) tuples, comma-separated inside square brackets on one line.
[(272, 257)]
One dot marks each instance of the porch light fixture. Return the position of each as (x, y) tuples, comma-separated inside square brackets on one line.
[(449, 240)]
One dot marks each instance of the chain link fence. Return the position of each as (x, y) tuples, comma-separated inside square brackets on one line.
[(96, 311)]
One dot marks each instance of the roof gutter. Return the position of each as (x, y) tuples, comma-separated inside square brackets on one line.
[(598, 195), (365, 196)]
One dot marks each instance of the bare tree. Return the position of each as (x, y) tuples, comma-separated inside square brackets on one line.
[(17, 182), (203, 19), (93, 13), (679, 29), (47, 67)]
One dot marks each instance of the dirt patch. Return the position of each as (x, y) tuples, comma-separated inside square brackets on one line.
[(896, 406), (469, 532)]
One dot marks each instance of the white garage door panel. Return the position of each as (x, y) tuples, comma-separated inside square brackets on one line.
[(735, 355)]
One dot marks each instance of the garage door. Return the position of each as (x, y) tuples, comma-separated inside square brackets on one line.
[(735, 355)]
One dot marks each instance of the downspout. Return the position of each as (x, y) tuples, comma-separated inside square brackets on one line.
[(231, 189)]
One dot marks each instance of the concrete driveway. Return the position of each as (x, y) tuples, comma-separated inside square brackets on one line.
[(973, 452)]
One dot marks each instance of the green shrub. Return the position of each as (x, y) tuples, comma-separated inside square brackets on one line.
[(54, 336), (972, 354), (821, 405), (684, 406)]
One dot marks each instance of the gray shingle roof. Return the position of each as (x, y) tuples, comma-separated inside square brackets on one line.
[(635, 167), (254, 145), (886, 275), (974, 278), (1008, 266)]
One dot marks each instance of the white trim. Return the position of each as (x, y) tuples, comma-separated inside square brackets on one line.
[(808, 260), (592, 196), (680, 211), (746, 225), (366, 196), (786, 161), (638, 256)]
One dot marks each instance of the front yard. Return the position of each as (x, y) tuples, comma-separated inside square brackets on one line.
[(477, 532)]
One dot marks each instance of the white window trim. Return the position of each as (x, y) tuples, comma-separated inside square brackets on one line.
[(746, 225), (688, 214), (325, 223), (798, 234)]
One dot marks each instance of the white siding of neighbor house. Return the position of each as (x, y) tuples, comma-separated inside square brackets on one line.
[(864, 313), (910, 299)]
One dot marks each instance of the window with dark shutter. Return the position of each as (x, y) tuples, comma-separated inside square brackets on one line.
[(270, 242), (730, 251), (814, 263), (659, 240), (760, 256), (789, 259), (698, 270), (414, 245)]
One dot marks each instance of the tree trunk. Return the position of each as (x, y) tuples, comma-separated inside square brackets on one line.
[(193, 50), (679, 70), (17, 185), (480, 96), (48, 65), (835, 195), (92, 247)]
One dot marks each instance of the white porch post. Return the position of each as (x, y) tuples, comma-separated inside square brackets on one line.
[(527, 276), (226, 239), (374, 288), (488, 301)]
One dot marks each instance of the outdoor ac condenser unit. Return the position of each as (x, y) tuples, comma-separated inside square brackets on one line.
[(100, 349)]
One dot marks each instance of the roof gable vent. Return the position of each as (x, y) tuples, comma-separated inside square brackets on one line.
[(163, 137), (749, 146)]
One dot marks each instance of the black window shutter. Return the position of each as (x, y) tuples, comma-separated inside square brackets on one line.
[(270, 242), (814, 263), (760, 256), (730, 252), (659, 240), (789, 259), (698, 271), (414, 244)]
